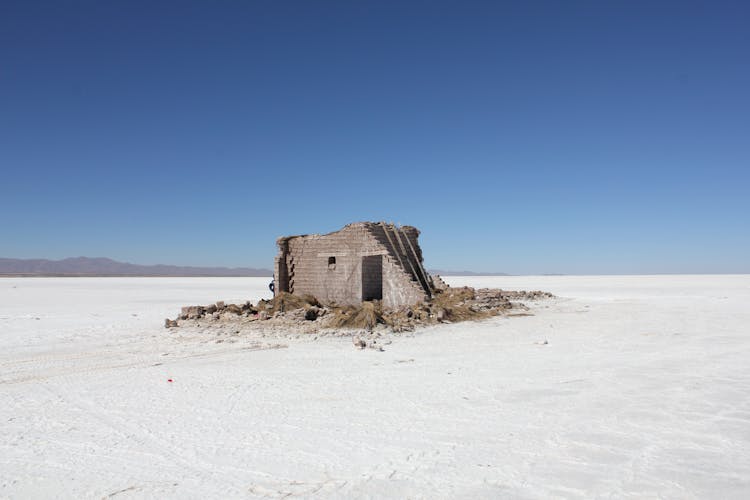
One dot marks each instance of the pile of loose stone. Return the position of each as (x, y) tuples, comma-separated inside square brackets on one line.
[(287, 314)]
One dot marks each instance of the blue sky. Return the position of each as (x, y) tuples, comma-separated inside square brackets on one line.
[(524, 137)]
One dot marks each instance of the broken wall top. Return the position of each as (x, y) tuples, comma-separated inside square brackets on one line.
[(411, 230)]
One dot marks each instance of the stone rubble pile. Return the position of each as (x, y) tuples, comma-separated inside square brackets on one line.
[(307, 315)]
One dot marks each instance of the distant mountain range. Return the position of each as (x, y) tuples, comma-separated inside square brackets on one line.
[(85, 266)]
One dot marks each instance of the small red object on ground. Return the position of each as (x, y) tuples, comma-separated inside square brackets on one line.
[(169, 380)]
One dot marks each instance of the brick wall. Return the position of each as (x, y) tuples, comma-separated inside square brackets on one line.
[(304, 266)]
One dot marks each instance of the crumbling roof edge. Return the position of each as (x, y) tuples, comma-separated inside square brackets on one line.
[(365, 224), (282, 239)]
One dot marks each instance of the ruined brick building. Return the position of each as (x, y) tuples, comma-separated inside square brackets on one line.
[(363, 261)]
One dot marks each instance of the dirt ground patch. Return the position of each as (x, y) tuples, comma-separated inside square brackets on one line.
[(307, 315)]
